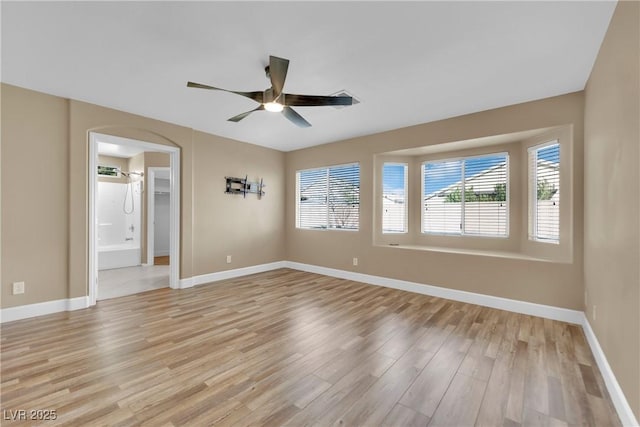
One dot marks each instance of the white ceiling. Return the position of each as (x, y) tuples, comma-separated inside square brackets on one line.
[(118, 150), (408, 63)]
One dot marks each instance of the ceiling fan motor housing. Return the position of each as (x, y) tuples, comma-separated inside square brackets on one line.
[(268, 97)]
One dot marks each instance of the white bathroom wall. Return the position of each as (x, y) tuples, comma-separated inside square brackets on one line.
[(161, 217), (114, 226)]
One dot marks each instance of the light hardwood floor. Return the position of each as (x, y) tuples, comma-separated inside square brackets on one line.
[(161, 260), (293, 348)]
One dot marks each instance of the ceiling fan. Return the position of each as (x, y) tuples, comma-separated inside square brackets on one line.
[(275, 100)]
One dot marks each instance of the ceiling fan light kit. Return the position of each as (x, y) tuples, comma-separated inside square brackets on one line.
[(275, 100), (274, 107)]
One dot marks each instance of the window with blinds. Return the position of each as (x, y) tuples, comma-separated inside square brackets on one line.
[(329, 198), (467, 196), (394, 198), (544, 192)]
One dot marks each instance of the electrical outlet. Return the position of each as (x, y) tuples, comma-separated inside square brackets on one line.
[(594, 312), (228, 259), (18, 288), (355, 261)]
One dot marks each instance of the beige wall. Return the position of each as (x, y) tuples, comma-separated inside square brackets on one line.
[(248, 229), (141, 163), (612, 191), (45, 140), (136, 164), (151, 160), (35, 195), (557, 284)]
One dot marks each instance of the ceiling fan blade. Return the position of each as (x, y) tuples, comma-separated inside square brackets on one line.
[(315, 101), (256, 96), (278, 73), (296, 118), (245, 114), (201, 86)]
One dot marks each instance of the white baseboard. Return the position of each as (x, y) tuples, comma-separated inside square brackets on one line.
[(48, 307), (540, 310), (230, 274), (186, 283), (617, 395), (40, 309), (549, 312)]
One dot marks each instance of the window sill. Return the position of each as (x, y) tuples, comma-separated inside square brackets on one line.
[(477, 252), (352, 230)]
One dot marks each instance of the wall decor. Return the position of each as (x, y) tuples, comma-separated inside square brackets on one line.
[(243, 186)]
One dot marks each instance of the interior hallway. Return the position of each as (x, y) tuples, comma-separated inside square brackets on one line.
[(119, 282)]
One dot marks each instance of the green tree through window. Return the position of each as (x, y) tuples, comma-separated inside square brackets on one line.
[(546, 190), (499, 195)]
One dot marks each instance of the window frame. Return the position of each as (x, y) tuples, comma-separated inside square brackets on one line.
[(462, 232), (406, 198), (298, 195), (115, 168), (532, 196)]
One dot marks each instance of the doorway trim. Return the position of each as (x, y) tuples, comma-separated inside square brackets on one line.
[(174, 206), (151, 197)]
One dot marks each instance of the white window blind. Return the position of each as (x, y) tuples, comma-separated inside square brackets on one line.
[(544, 192), (329, 198), (394, 198), (441, 179), (480, 209)]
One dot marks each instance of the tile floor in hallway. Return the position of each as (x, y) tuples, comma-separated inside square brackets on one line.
[(119, 282)]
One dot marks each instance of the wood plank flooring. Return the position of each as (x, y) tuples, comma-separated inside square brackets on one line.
[(293, 348), (161, 260)]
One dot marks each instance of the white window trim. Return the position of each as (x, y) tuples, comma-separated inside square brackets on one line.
[(462, 233), (406, 197), (298, 227), (117, 168), (533, 193)]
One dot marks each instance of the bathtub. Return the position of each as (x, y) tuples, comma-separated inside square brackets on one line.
[(117, 256)]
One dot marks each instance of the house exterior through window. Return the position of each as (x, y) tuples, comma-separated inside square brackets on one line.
[(544, 192), (467, 196), (394, 198), (328, 198)]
